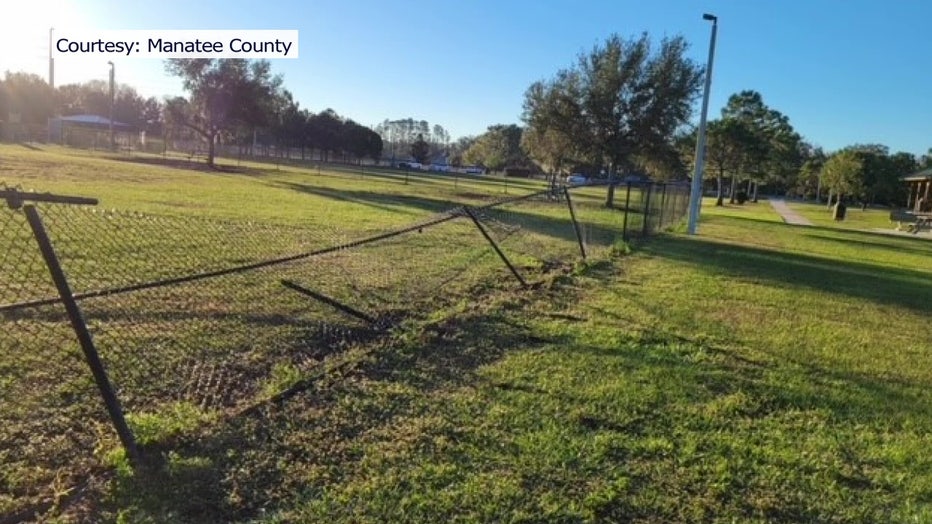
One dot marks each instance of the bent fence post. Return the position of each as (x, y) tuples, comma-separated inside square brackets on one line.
[(498, 250), (84, 336), (355, 313), (569, 203)]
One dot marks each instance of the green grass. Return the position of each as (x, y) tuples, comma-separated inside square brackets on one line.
[(761, 210), (223, 343), (357, 199), (855, 217), (759, 372)]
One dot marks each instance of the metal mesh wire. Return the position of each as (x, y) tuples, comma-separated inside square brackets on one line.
[(202, 312)]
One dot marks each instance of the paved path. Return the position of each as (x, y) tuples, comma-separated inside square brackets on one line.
[(789, 216)]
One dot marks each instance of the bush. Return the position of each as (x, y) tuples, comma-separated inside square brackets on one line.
[(741, 197), (518, 172)]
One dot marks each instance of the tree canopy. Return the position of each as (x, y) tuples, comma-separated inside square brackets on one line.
[(497, 148), (223, 93), (619, 106), (842, 173)]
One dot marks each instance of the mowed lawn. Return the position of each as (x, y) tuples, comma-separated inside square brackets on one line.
[(758, 372), (855, 217), (357, 198)]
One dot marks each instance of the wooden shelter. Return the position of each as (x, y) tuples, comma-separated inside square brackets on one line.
[(920, 191)]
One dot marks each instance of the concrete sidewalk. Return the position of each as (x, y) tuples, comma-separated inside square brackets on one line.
[(789, 216)]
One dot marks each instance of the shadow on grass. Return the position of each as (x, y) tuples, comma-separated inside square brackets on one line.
[(381, 201), (31, 147), (518, 214), (874, 236), (399, 175), (894, 286), (715, 395), (189, 165), (238, 470), (916, 246)]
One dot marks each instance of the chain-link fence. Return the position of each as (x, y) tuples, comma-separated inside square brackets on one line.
[(208, 317)]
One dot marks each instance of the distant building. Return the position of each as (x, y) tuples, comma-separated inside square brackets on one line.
[(86, 125), (439, 163), (920, 190)]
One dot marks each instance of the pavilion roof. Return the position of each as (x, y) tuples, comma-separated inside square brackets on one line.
[(918, 176)]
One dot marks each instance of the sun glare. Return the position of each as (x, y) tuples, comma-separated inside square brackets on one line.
[(24, 36)]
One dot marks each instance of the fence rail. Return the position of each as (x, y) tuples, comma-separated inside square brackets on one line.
[(176, 313)]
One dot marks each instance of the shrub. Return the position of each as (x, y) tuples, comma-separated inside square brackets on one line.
[(518, 172), (741, 197)]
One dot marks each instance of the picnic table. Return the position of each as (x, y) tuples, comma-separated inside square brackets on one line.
[(912, 222)]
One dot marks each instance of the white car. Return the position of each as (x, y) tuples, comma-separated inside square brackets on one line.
[(577, 180)]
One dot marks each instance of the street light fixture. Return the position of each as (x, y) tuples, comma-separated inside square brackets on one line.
[(695, 196), (112, 75)]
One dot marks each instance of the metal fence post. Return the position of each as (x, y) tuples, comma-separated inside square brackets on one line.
[(84, 337), (624, 225), (663, 203), (646, 227), (569, 203), (498, 250)]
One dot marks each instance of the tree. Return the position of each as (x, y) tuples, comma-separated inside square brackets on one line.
[(28, 97), (399, 135), (808, 181), (222, 94), (498, 147), (893, 190), (439, 136), (324, 131), (458, 148), (551, 114), (842, 174), (360, 141), (627, 101), (420, 149), (728, 143), (880, 172), (93, 97), (925, 162), (772, 155), (290, 126)]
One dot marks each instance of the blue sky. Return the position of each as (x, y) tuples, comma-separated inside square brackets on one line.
[(845, 72)]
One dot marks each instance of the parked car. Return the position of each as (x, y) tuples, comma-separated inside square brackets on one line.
[(577, 179), (474, 170)]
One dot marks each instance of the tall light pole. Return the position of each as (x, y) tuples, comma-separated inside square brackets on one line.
[(695, 195), (51, 61), (112, 93)]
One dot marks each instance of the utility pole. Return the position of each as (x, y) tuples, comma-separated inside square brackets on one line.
[(51, 61), (112, 94)]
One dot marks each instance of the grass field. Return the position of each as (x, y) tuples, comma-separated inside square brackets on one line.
[(759, 372), (855, 217)]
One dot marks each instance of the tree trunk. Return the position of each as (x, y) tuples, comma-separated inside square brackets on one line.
[(734, 189), (755, 193), (829, 206), (211, 149), (610, 195), (719, 201)]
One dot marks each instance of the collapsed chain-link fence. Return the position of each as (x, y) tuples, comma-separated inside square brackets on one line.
[(210, 317)]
